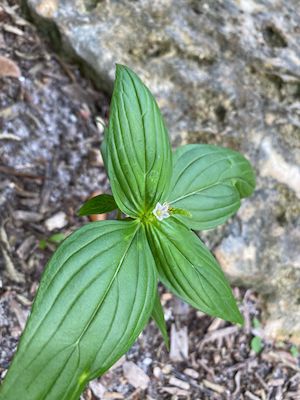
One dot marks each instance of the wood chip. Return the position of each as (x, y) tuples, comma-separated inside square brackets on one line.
[(215, 325), (9, 136), (179, 348), (213, 386), (191, 372), (19, 313), (13, 274), (219, 334), (179, 383), (27, 216), (9, 68), (176, 391), (24, 249), (13, 29), (135, 375), (281, 356), (5, 247), (251, 396), (97, 388), (113, 396)]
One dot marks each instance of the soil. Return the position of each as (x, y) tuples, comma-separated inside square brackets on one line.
[(49, 164)]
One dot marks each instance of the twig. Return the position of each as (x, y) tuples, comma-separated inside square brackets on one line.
[(13, 274), (11, 171)]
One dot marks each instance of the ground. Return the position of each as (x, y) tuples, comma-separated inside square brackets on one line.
[(49, 164)]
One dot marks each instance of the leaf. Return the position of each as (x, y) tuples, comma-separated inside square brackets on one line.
[(256, 344), (57, 238), (159, 318), (140, 158), (95, 297), (190, 271), (209, 182), (103, 147), (294, 351), (255, 323), (9, 68), (103, 203)]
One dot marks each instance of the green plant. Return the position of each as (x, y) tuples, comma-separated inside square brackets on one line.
[(54, 239), (294, 351), (256, 343), (99, 289)]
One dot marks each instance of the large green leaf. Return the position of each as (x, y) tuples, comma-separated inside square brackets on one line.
[(209, 182), (139, 154), (103, 203), (159, 318), (189, 270), (95, 297)]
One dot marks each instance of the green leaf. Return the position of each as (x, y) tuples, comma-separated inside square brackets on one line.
[(103, 203), (43, 244), (159, 318), (95, 297), (140, 158), (256, 344), (57, 238), (190, 271), (255, 323), (209, 182), (294, 351)]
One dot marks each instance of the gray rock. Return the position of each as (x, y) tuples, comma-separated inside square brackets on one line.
[(227, 73)]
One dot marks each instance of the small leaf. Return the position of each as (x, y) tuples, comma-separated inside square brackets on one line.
[(95, 297), (43, 244), (209, 182), (140, 158), (159, 318), (57, 238), (103, 203), (294, 351), (189, 270), (255, 323), (256, 344)]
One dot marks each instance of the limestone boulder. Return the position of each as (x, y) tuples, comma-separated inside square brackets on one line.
[(226, 73)]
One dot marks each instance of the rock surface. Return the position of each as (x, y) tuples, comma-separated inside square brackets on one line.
[(227, 73)]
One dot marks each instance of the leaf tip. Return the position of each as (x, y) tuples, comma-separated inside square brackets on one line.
[(238, 318)]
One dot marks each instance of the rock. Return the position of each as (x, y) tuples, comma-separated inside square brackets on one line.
[(56, 221), (135, 375), (225, 73)]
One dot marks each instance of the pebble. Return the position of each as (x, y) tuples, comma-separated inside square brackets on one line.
[(56, 221), (157, 372)]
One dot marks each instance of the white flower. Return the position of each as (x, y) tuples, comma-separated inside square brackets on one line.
[(161, 211)]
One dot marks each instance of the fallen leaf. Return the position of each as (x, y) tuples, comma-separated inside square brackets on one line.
[(9, 68)]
